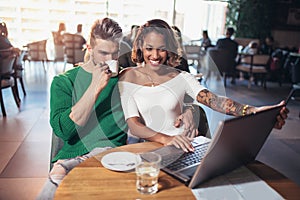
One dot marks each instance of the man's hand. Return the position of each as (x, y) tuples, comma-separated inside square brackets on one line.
[(187, 119), (101, 75)]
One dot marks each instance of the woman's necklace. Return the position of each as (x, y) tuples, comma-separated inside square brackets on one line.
[(149, 78)]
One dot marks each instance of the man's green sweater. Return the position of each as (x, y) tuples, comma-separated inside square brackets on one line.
[(106, 125)]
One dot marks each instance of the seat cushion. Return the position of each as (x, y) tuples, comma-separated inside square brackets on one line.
[(255, 69), (8, 82)]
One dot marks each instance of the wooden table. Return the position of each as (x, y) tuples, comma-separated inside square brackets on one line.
[(90, 180)]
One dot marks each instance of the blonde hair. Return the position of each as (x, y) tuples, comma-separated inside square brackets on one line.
[(106, 29)]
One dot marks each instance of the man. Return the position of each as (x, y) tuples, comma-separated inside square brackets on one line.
[(83, 111), (228, 43), (125, 48), (231, 46), (85, 106)]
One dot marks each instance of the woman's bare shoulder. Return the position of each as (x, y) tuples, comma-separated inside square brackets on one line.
[(172, 72), (128, 74)]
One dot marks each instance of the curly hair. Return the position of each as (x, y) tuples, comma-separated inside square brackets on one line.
[(161, 27), (106, 29)]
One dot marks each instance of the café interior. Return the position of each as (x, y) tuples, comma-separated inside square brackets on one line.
[(25, 131)]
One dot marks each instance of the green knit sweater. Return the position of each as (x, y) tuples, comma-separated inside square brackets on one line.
[(106, 125)]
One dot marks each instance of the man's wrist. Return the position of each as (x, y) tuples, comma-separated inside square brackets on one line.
[(189, 107)]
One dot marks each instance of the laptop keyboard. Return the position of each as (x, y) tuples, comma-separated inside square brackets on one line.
[(186, 159)]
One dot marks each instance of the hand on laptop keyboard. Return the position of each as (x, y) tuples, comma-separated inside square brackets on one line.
[(182, 142)]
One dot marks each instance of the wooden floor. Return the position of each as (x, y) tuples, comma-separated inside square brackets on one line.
[(25, 133)]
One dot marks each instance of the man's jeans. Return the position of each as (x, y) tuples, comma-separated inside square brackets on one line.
[(60, 169)]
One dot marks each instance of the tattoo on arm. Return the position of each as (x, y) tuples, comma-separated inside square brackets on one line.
[(220, 103)]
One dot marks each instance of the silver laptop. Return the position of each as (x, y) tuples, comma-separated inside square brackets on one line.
[(236, 142)]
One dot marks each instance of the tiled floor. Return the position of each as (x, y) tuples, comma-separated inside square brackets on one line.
[(25, 134)]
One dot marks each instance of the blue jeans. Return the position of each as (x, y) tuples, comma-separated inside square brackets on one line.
[(60, 169)]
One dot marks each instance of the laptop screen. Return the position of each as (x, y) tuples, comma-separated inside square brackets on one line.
[(236, 142)]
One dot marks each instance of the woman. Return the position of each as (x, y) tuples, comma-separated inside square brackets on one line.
[(205, 41), (183, 65), (152, 94)]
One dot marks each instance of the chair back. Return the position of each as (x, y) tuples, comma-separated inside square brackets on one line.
[(73, 50), (261, 60), (58, 48), (223, 59), (58, 52), (4, 53), (7, 80), (18, 65), (192, 51), (295, 72), (258, 60), (37, 51), (203, 127), (56, 144), (245, 41), (6, 65)]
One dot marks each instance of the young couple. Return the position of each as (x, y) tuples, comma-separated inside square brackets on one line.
[(85, 104)]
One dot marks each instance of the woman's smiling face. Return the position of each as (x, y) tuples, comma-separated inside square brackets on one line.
[(154, 50)]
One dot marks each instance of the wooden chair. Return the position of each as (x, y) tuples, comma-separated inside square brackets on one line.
[(37, 52), (193, 53), (199, 114), (58, 50), (19, 69), (255, 66), (201, 118), (295, 78), (7, 80), (73, 49), (58, 53)]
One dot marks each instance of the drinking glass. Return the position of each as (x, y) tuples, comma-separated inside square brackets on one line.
[(147, 173)]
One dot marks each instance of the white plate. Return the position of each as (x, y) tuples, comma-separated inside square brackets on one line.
[(120, 161)]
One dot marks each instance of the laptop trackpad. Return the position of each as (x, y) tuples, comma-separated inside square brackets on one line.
[(189, 172)]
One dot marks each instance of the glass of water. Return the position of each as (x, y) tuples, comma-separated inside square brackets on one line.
[(147, 172)]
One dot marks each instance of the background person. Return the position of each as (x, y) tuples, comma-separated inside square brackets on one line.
[(126, 48), (183, 65), (267, 46), (4, 41), (205, 40), (58, 35), (228, 43), (79, 33)]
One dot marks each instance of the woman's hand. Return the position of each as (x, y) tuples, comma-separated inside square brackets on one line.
[(283, 114), (187, 119), (281, 117), (180, 141)]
